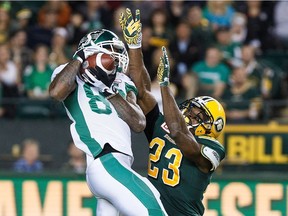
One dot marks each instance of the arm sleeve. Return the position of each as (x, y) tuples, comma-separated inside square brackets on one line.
[(151, 119)]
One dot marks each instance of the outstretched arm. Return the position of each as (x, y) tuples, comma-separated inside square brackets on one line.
[(137, 70), (183, 138)]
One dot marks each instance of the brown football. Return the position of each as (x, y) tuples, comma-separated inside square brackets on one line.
[(102, 60)]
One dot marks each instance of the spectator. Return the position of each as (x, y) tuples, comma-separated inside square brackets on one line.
[(147, 6), (97, 14), (8, 80), (146, 48), (239, 28), (76, 29), (23, 19), (59, 48), (190, 85), (37, 76), (202, 31), (219, 13), (115, 25), (258, 24), (161, 33), (242, 100), (21, 54), (230, 50), (211, 73), (62, 10), (250, 63), (4, 24), (184, 52), (76, 162), (281, 24), (42, 31), (29, 162), (262, 74), (176, 11)]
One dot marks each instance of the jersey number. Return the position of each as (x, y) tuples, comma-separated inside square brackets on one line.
[(172, 154), (97, 103)]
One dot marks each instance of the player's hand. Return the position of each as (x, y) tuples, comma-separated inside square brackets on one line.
[(131, 28), (106, 91), (163, 71), (83, 53), (110, 92)]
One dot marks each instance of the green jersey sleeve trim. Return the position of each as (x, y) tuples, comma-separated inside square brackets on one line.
[(129, 87)]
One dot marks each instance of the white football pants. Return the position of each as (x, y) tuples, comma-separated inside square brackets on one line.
[(120, 190)]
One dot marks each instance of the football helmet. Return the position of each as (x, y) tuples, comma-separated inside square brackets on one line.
[(209, 121), (107, 42)]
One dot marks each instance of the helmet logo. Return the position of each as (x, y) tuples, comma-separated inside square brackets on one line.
[(88, 39), (219, 124)]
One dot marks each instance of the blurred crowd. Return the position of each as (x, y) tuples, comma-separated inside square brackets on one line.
[(217, 48), (28, 158)]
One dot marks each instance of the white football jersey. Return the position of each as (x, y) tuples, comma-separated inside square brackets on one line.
[(95, 120)]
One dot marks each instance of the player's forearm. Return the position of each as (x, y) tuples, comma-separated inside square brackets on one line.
[(173, 116), (64, 83), (129, 113), (138, 71), (177, 125)]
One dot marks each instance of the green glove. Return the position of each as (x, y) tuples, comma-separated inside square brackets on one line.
[(131, 29), (163, 71)]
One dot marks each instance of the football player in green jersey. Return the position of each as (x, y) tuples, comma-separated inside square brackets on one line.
[(183, 150)]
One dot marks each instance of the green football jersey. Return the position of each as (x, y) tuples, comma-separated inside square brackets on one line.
[(179, 181)]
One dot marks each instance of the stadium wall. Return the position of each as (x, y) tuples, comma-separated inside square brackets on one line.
[(68, 195)]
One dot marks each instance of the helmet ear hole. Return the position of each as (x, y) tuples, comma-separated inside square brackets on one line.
[(219, 124)]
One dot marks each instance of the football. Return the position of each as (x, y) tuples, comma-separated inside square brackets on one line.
[(101, 66), (102, 60)]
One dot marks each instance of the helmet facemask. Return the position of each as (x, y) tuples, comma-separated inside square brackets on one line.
[(107, 42), (204, 115), (197, 117), (116, 49)]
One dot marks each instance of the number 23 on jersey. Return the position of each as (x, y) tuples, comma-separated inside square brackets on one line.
[(171, 174)]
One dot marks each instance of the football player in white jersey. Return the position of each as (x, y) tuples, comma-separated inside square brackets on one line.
[(102, 114)]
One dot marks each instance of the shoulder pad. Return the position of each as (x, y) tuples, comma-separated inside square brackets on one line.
[(212, 156), (213, 144)]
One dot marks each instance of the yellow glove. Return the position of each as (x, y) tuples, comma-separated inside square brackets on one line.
[(131, 28), (163, 71)]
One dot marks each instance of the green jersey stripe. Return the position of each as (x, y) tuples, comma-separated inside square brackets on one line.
[(131, 88), (72, 105), (121, 174)]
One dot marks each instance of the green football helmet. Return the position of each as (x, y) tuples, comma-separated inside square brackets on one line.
[(107, 42)]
